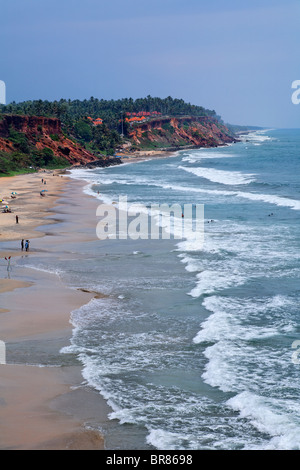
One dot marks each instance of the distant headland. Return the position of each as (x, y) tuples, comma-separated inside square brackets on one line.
[(59, 134)]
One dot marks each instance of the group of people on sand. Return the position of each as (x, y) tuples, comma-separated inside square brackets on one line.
[(25, 245), (42, 193)]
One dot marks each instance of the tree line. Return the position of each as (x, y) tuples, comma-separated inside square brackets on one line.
[(111, 111), (104, 138)]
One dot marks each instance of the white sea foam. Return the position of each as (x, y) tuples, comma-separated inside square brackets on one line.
[(162, 439), (220, 176), (196, 157), (211, 281), (58, 272), (82, 174), (256, 137), (104, 198), (241, 346), (271, 199), (237, 328), (255, 197), (268, 198), (192, 264), (279, 418), (229, 314)]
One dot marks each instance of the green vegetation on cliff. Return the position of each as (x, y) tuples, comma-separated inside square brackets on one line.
[(26, 157), (71, 111), (105, 138), (99, 138)]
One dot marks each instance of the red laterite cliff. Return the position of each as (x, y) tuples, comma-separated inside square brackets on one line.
[(43, 132)]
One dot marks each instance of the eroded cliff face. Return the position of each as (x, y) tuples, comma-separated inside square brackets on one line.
[(42, 132), (181, 132), (158, 133)]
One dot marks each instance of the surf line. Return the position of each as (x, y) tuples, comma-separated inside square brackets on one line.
[(136, 221)]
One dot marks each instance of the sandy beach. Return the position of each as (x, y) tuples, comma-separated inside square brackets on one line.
[(44, 407), (41, 407), (140, 155), (28, 205)]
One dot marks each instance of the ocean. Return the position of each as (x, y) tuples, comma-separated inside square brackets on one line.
[(196, 346)]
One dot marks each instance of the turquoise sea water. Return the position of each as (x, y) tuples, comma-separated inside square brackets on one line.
[(193, 347), (193, 350)]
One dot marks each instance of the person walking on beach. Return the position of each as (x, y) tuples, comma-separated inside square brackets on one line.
[(22, 244), (27, 245), (17, 219), (8, 263)]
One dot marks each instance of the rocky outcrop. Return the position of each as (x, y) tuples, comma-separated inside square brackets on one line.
[(179, 132), (103, 162), (42, 132)]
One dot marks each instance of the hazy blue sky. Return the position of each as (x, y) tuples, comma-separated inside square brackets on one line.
[(237, 57)]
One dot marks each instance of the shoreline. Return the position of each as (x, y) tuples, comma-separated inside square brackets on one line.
[(42, 405), (140, 155), (131, 157), (45, 406)]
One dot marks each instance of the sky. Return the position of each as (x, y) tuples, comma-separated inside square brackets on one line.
[(238, 57)]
